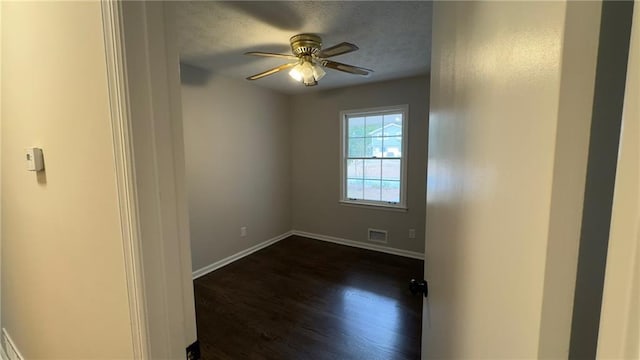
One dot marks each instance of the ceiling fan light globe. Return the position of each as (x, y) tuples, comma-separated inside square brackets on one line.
[(318, 72), (307, 72), (296, 73)]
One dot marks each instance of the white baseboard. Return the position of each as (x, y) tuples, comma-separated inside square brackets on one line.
[(358, 244), (362, 245), (237, 256), (9, 351)]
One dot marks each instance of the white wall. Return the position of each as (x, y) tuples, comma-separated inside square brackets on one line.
[(315, 149), (238, 162), (619, 335), (0, 168), (64, 292)]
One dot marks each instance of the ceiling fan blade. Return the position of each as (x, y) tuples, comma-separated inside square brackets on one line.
[(346, 68), (271, 71), (268, 54), (336, 50)]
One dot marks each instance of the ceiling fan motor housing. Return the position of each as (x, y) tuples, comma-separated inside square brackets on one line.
[(305, 44)]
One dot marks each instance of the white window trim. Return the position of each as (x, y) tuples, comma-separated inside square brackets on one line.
[(402, 205)]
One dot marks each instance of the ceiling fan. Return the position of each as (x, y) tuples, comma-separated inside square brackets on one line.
[(310, 58)]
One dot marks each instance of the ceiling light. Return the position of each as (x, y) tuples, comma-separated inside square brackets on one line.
[(318, 72), (296, 73), (309, 60), (307, 72)]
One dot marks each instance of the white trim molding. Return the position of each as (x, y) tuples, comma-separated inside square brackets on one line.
[(158, 236), (3, 353), (239, 255), (125, 172), (384, 110), (360, 244), (8, 344)]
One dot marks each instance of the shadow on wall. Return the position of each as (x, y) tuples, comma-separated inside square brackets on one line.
[(195, 76)]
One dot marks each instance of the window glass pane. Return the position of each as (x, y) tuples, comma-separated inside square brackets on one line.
[(374, 159), (392, 147), (373, 147), (392, 125), (391, 191), (355, 169), (372, 169), (372, 190), (354, 188), (356, 147), (390, 169), (356, 127), (374, 125)]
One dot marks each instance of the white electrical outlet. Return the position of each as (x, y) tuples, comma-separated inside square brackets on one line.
[(243, 231), (412, 233)]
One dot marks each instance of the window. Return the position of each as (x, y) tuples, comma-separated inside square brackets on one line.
[(374, 156)]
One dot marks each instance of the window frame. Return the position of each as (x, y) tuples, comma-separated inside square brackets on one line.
[(383, 110)]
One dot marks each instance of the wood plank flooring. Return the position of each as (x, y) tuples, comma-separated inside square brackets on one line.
[(305, 299)]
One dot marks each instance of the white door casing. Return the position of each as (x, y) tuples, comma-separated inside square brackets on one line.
[(125, 174), (143, 64)]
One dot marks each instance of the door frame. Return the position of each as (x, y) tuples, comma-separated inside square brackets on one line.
[(125, 170), (619, 332), (146, 122), (155, 228)]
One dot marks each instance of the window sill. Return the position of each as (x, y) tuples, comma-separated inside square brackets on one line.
[(366, 205)]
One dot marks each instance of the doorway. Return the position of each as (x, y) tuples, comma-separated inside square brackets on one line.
[(263, 158)]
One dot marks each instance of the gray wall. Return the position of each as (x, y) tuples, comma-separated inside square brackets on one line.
[(237, 163), (270, 162), (315, 151)]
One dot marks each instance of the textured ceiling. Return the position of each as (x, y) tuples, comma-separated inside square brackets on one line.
[(393, 36)]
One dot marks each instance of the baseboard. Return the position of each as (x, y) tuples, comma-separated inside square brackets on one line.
[(359, 244), (336, 240), (9, 347), (239, 255)]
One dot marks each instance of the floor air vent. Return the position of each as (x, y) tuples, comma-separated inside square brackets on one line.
[(379, 236)]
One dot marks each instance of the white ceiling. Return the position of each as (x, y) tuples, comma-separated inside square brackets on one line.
[(394, 37)]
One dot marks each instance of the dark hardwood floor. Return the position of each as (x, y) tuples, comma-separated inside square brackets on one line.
[(307, 299)]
